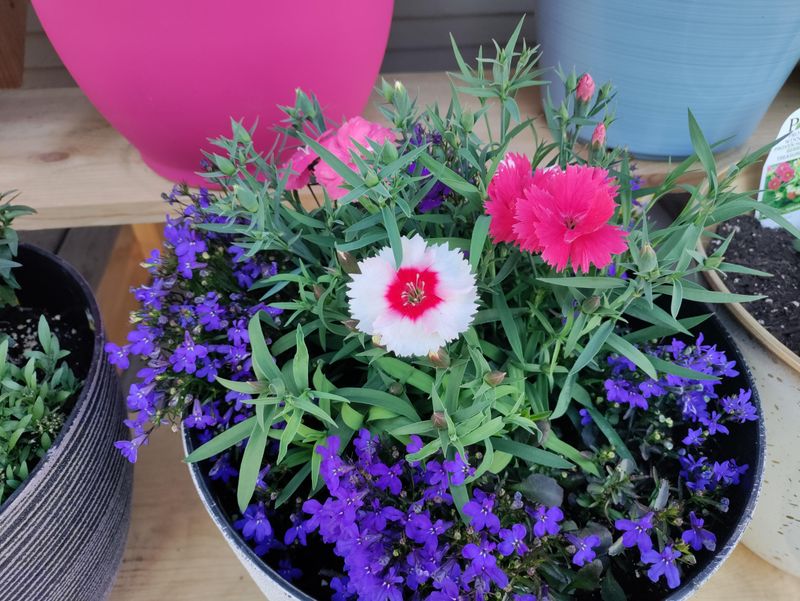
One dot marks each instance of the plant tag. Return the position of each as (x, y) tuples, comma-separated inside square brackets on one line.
[(780, 179)]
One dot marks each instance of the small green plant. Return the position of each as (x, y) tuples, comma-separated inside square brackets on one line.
[(33, 396), (9, 243)]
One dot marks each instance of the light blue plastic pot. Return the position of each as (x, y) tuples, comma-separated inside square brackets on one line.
[(723, 59)]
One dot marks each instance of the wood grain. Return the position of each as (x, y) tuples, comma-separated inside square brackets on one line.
[(77, 171), (175, 552), (12, 42)]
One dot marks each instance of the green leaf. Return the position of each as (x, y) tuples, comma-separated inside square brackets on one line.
[(555, 444), (250, 466), (594, 283), (509, 325), (596, 342), (483, 432), (677, 299), (625, 348), (405, 373), (263, 362), (450, 178), (352, 418), (530, 453), (390, 223), (478, 240), (703, 150), (678, 370), (711, 296), (288, 434), (608, 430), (659, 331), (542, 489), (293, 485), (224, 440), (300, 363), (379, 398)]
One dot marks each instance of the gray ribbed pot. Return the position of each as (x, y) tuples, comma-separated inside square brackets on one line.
[(63, 531)]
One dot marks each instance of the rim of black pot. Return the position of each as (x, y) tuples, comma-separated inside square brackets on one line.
[(684, 591), (94, 366)]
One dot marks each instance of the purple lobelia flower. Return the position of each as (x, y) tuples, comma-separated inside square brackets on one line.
[(524, 597), (698, 537), (584, 548), (118, 355), (713, 425), (199, 418), (694, 437), (513, 540), (586, 419), (663, 564), (636, 532), (254, 524), (422, 530), (480, 512), (739, 407), (186, 355), (459, 469), (130, 448), (546, 520)]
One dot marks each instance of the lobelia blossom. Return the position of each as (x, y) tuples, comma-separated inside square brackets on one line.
[(585, 89), (663, 565), (637, 532), (340, 142), (698, 537), (564, 215), (584, 548), (417, 307)]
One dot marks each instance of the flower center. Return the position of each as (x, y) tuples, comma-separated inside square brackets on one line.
[(413, 292)]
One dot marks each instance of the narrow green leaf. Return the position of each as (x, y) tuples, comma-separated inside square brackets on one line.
[(596, 342), (509, 325), (479, 235), (625, 348), (263, 362), (379, 398), (405, 373), (677, 298), (530, 453), (594, 283), (608, 431), (300, 363), (224, 440), (250, 466), (678, 370), (293, 484), (289, 432), (390, 223)]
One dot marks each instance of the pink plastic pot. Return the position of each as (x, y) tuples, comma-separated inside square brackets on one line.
[(169, 74)]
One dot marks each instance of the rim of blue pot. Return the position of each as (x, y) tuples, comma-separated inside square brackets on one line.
[(90, 304), (684, 591)]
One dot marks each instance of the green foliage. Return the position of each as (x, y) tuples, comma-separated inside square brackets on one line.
[(547, 331), (9, 243), (33, 406)]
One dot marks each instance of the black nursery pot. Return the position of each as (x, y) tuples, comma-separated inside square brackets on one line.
[(63, 531), (748, 446)]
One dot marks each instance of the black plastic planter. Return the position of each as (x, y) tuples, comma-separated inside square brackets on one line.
[(63, 531), (747, 447)]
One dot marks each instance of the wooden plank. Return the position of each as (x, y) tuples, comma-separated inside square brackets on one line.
[(425, 9), (77, 171), (12, 42), (89, 249), (175, 552)]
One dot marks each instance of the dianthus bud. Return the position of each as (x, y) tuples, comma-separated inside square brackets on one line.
[(371, 179), (599, 135), (396, 388), (591, 304), (439, 421), (387, 90), (648, 260), (399, 88), (467, 120), (494, 378), (585, 89), (389, 152), (318, 291), (439, 358), (347, 261), (376, 340)]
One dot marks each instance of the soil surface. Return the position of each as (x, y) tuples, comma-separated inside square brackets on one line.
[(773, 251)]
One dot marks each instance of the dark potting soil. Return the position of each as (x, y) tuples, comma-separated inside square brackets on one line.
[(71, 327), (773, 251)]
